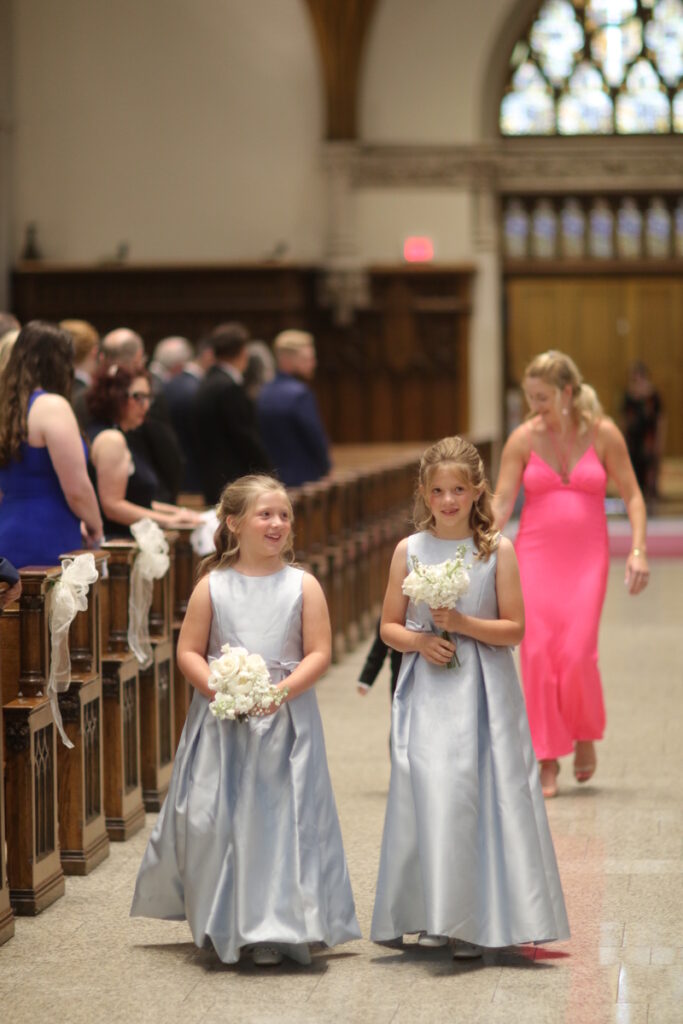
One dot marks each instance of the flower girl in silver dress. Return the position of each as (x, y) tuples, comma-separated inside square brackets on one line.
[(467, 855), (248, 847)]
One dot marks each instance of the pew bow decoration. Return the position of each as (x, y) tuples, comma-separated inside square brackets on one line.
[(69, 596), (150, 564)]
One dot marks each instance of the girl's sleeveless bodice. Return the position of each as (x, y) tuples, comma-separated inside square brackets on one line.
[(141, 489), (36, 523)]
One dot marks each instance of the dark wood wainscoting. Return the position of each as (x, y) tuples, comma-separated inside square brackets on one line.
[(399, 372)]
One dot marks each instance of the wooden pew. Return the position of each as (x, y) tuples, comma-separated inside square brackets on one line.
[(157, 719), (186, 563), (6, 915), (34, 870), (83, 838), (123, 805)]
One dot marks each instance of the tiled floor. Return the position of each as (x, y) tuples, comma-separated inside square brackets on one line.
[(619, 845)]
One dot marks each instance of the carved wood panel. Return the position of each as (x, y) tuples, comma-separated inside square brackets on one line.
[(604, 323)]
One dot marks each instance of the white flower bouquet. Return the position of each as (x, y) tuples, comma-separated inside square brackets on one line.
[(439, 586), (242, 685)]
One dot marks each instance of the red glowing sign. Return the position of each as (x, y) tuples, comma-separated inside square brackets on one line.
[(418, 250)]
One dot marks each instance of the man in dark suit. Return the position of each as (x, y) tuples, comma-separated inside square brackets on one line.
[(228, 442), (180, 390), (290, 422)]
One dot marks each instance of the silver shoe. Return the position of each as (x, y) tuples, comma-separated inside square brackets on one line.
[(266, 956), (466, 950)]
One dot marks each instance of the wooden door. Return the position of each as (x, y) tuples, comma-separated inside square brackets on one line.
[(603, 323)]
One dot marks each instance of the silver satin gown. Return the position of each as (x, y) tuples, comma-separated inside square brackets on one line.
[(247, 846), (466, 850)]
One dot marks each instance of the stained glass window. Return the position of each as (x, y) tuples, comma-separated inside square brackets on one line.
[(596, 67)]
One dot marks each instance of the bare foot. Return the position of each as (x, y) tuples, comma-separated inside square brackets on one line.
[(549, 772), (585, 760)]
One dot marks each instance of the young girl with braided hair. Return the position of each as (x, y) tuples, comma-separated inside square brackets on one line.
[(248, 846), (467, 856)]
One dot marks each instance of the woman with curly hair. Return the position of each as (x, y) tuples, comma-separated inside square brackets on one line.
[(48, 504), (118, 401)]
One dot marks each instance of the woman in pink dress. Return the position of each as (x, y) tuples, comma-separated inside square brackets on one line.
[(563, 455)]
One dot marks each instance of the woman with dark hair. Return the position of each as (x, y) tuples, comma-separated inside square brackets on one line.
[(48, 505), (118, 401)]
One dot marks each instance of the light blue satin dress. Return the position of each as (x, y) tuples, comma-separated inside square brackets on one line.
[(247, 846), (466, 850)]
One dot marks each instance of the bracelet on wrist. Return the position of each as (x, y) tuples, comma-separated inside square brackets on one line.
[(637, 552)]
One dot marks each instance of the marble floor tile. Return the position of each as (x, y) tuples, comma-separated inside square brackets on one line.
[(618, 839)]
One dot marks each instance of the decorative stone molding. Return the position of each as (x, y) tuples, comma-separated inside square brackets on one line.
[(555, 164)]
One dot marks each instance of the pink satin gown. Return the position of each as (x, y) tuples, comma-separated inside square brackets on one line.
[(563, 558)]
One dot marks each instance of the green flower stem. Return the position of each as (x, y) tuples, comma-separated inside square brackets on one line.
[(455, 660)]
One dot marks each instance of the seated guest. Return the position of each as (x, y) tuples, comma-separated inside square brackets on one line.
[(180, 390), (154, 440), (290, 422), (228, 442), (86, 342), (127, 485), (48, 504)]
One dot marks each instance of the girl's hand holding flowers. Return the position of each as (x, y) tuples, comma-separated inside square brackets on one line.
[(440, 586), (436, 649), (449, 619), (242, 685)]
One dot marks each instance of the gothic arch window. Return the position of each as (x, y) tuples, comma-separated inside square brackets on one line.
[(597, 67)]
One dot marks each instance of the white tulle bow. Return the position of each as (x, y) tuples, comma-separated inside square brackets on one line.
[(150, 564), (69, 596)]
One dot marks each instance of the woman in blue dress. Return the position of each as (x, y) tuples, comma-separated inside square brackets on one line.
[(47, 504), (247, 846), (467, 855)]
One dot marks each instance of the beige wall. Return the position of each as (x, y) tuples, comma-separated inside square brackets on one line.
[(426, 69), (191, 130), (188, 128)]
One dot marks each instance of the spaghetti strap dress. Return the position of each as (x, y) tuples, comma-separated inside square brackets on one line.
[(36, 523), (466, 850), (247, 846), (562, 549)]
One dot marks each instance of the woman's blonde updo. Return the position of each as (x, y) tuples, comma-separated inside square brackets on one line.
[(464, 457), (235, 502), (559, 370)]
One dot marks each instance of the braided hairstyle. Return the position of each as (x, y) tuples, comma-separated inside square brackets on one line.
[(236, 501), (464, 457)]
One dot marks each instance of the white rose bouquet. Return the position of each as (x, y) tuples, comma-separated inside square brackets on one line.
[(439, 586), (241, 682)]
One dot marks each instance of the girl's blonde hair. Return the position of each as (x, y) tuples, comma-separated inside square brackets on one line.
[(558, 370), (466, 459), (235, 502)]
